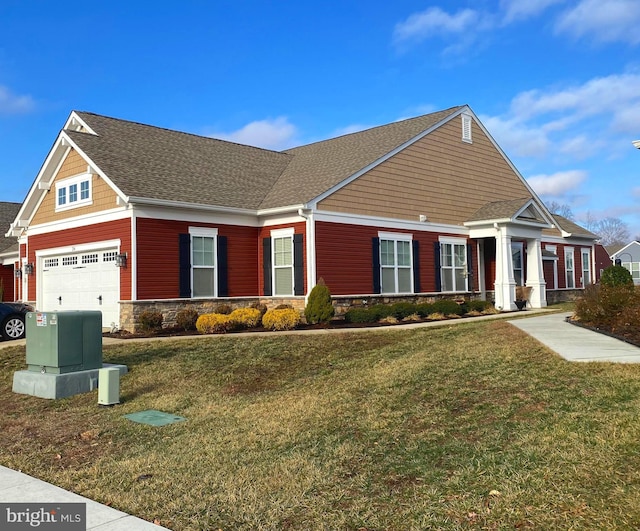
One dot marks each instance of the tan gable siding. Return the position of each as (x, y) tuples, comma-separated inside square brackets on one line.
[(439, 176), (102, 194)]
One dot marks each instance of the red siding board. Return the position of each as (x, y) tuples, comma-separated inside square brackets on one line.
[(7, 279), (111, 230), (265, 232), (158, 264), (344, 259)]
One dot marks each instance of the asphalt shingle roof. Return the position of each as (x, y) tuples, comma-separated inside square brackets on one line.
[(573, 228), (151, 162), (8, 213), (499, 209)]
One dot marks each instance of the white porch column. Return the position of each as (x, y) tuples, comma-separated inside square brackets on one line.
[(505, 284), (535, 274)]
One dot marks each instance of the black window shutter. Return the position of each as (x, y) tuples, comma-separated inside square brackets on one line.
[(416, 266), (470, 266), (266, 265), (223, 280), (436, 265), (375, 255), (184, 254), (298, 265)]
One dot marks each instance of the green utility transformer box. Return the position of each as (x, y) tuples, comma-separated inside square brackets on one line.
[(63, 342)]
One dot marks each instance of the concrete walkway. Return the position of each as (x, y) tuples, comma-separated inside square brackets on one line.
[(575, 343), (16, 487)]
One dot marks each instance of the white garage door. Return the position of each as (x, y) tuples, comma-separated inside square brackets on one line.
[(82, 281)]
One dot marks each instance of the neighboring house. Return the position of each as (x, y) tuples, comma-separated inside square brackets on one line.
[(418, 209), (628, 256), (603, 260), (8, 251)]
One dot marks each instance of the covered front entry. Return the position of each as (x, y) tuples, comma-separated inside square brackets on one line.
[(511, 251), (87, 280)]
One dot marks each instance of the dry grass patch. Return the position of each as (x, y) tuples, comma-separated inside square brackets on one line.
[(462, 426)]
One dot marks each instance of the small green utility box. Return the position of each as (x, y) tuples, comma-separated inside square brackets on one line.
[(62, 342)]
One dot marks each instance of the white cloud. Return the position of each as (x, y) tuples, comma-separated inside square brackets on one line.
[(557, 184), (434, 21), (523, 9), (516, 137), (602, 20), (13, 104), (276, 134)]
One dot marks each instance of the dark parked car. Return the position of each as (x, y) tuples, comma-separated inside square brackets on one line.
[(12, 319)]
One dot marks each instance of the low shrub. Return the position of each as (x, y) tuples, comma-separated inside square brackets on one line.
[(214, 323), (281, 319), (607, 306), (424, 309), (246, 317), (223, 308), (400, 310), (319, 308), (380, 311), (186, 319), (616, 275), (447, 307), (150, 320), (360, 315)]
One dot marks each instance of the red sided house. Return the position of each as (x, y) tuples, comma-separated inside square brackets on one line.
[(8, 252), (125, 216)]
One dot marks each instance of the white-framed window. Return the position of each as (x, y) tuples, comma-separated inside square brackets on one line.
[(396, 263), (569, 268), (516, 259), (586, 266), (203, 261), (282, 260), (466, 128), (453, 264), (73, 192), (633, 268)]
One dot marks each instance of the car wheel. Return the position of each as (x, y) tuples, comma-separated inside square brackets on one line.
[(13, 327)]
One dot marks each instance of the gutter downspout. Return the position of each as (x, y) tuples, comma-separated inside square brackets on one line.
[(307, 214)]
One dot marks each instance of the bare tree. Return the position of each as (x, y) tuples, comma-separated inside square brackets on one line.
[(563, 210), (612, 231)]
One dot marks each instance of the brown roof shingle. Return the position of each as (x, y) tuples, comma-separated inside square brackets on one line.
[(8, 213), (150, 162)]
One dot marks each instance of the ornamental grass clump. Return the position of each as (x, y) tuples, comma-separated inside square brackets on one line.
[(283, 319), (150, 320), (319, 308), (246, 317), (187, 319), (214, 323)]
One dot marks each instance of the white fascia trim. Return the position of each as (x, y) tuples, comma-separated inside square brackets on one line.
[(382, 159), (532, 202), (187, 205), (193, 216), (633, 243), (9, 259), (74, 120), (80, 221), (93, 246), (391, 223)]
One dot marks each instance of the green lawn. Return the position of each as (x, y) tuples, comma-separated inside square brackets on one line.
[(471, 425)]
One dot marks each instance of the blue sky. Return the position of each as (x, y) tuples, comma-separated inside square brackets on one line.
[(556, 82)]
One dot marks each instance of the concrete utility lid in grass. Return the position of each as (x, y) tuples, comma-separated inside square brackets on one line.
[(154, 417)]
